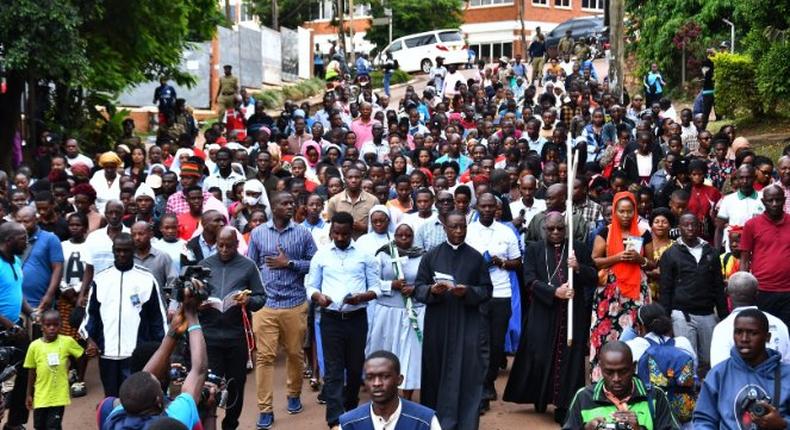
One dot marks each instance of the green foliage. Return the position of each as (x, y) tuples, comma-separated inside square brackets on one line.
[(736, 92), (772, 73), (398, 77), (90, 50), (292, 13), (414, 16)]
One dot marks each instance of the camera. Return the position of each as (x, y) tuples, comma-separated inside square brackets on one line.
[(755, 404), (619, 425), (185, 281), (179, 372)]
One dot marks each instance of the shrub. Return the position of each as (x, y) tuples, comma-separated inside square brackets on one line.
[(736, 92), (772, 73), (398, 77)]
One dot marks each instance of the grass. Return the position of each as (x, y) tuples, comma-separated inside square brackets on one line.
[(768, 135)]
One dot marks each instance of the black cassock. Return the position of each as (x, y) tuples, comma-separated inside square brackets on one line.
[(545, 370), (453, 360)]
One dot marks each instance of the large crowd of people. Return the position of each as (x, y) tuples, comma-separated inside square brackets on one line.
[(417, 246)]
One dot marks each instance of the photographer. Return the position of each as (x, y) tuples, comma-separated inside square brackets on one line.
[(141, 397), (620, 401), (745, 391), (235, 282)]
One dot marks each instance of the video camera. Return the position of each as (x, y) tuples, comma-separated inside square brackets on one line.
[(178, 373), (756, 404), (185, 281)]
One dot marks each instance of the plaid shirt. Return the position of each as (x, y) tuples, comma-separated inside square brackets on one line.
[(177, 203), (590, 211)]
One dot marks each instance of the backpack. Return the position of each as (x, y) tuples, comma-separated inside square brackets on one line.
[(668, 367), (120, 420)]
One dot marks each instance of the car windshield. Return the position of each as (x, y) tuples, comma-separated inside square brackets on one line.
[(450, 36)]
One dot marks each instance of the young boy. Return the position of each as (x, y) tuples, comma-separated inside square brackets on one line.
[(48, 378)]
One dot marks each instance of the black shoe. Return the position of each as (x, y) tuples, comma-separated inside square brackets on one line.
[(560, 414)]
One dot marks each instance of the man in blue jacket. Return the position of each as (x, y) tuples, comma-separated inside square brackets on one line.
[(387, 409), (751, 389)]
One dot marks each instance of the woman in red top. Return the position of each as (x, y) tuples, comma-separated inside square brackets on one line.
[(703, 198)]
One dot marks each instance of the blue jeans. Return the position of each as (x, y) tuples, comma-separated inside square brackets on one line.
[(387, 77)]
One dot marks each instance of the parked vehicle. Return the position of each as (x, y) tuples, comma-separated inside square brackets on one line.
[(416, 52), (588, 28)]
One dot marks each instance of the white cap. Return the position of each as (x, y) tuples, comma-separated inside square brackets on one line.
[(145, 190)]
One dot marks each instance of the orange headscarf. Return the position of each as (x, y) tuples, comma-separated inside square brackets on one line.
[(629, 275)]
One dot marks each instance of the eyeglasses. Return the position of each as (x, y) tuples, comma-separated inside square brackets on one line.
[(555, 228), (443, 201)]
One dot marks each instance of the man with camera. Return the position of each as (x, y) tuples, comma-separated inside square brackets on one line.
[(124, 309), (141, 401), (234, 290), (745, 391), (620, 401)]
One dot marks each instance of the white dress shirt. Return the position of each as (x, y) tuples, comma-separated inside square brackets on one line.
[(337, 273), (499, 241), (722, 340)]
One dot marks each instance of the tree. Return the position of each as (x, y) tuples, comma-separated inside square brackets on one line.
[(290, 13), (88, 51), (414, 16)]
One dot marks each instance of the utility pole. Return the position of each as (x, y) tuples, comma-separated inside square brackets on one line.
[(351, 31), (275, 16), (523, 35), (617, 48), (341, 33)]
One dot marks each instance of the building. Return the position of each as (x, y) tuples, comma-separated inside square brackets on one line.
[(492, 27)]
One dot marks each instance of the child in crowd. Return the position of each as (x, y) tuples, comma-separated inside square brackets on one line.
[(48, 377)]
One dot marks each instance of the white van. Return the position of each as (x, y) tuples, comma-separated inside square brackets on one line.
[(416, 52)]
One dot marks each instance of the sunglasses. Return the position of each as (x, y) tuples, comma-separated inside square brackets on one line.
[(555, 228)]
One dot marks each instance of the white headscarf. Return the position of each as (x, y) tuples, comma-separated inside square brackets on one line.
[(176, 166), (256, 186)]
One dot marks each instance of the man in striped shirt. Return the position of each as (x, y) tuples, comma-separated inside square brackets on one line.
[(282, 250)]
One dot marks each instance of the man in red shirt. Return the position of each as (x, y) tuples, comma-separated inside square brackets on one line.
[(765, 251), (189, 221)]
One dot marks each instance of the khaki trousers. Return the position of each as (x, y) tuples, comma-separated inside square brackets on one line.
[(272, 328), (224, 102)]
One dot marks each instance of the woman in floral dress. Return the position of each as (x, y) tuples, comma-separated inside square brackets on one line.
[(621, 253)]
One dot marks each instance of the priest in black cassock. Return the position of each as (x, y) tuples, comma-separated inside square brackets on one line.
[(453, 282), (545, 370)]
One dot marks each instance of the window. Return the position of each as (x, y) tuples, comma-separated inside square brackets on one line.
[(420, 41), (565, 4), (592, 4), (541, 3), (412, 42), (395, 47), (450, 36), (490, 52), (484, 3)]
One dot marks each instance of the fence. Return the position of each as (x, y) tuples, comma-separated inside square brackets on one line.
[(258, 55)]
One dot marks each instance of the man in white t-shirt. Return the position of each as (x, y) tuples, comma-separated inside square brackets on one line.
[(73, 155), (499, 247), (738, 207), (742, 289), (527, 206)]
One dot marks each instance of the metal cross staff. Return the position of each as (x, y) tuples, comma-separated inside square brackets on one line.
[(573, 160)]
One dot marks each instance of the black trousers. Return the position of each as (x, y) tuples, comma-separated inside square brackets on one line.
[(113, 373), (48, 418), (776, 304), (499, 311), (17, 409), (707, 106), (343, 340), (229, 359)]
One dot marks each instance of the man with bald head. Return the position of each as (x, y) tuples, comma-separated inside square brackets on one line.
[(157, 262), (236, 289), (42, 266), (556, 199), (742, 289), (204, 245)]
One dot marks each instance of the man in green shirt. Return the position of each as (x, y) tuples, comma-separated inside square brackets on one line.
[(565, 46), (619, 397), (227, 91)]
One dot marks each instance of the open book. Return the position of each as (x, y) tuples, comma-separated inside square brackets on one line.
[(225, 303), (444, 278)]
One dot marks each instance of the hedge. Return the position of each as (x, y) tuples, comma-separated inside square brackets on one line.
[(398, 77), (736, 89), (274, 98), (772, 76)]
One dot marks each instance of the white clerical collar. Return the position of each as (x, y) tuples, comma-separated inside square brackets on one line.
[(455, 247)]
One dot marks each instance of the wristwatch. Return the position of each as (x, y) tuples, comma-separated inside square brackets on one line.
[(291, 265)]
